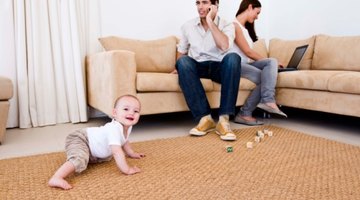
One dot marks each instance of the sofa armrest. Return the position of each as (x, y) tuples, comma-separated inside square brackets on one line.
[(110, 74)]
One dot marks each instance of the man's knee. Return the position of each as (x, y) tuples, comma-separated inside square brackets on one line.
[(233, 58), (233, 62), (184, 63)]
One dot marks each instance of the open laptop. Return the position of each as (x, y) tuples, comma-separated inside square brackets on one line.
[(295, 59)]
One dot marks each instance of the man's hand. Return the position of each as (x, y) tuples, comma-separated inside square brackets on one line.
[(213, 9), (220, 38)]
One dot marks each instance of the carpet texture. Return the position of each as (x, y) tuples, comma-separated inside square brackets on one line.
[(289, 165)]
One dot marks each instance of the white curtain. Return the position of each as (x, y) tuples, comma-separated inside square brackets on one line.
[(51, 39)]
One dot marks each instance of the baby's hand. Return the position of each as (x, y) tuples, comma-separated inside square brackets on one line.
[(137, 155), (133, 170)]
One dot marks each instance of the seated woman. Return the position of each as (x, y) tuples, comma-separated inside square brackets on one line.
[(262, 71)]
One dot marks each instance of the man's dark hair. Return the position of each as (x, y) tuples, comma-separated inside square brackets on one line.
[(214, 1)]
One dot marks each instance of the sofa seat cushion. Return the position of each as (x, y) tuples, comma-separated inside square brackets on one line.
[(245, 84), (6, 88), (345, 83), (307, 79), (163, 82)]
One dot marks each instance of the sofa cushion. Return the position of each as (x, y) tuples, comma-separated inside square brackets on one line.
[(306, 79), (163, 82), (151, 55), (282, 50), (245, 84), (6, 88), (336, 53), (345, 83)]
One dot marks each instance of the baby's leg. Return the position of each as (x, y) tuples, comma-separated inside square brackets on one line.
[(58, 179), (78, 153)]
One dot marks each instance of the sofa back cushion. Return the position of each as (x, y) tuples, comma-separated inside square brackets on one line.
[(151, 55), (282, 50), (260, 47), (336, 53)]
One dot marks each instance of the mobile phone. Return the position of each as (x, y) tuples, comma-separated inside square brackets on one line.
[(214, 5)]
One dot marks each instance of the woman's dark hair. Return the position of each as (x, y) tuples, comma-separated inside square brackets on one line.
[(249, 26)]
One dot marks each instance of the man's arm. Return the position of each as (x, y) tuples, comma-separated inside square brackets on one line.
[(183, 44), (178, 55), (220, 38)]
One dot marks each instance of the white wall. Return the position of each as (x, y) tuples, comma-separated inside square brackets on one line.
[(304, 18), (286, 19), (141, 19)]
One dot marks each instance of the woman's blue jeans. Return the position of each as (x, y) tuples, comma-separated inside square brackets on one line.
[(227, 73), (264, 74)]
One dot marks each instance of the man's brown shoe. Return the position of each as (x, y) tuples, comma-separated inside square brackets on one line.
[(223, 129), (204, 127)]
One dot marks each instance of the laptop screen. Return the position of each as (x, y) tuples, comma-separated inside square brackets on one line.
[(297, 56)]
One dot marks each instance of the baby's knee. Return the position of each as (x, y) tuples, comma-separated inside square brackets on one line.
[(80, 164)]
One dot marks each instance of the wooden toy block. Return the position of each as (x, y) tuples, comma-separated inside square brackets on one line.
[(249, 145), (229, 149)]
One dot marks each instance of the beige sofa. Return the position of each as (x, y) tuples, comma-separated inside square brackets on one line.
[(329, 75), (142, 68), (6, 93), (328, 79)]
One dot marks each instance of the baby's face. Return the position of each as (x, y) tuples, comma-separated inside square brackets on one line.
[(127, 111)]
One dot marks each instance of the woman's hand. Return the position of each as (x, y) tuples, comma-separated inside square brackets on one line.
[(280, 65)]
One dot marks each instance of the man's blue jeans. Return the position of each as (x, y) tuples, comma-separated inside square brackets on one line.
[(227, 73)]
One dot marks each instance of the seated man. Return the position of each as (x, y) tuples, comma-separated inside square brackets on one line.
[(203, 45)]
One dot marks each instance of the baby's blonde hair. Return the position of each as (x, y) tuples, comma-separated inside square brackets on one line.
[(126, 95)]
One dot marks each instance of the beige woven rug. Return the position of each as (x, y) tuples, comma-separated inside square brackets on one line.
[(289, 165)]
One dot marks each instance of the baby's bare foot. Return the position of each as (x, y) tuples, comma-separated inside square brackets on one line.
[(60, 183)]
